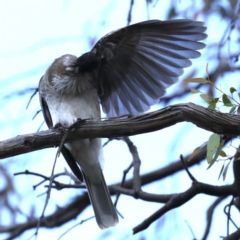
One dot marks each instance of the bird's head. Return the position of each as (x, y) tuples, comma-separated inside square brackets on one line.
[(69, 74), (64, 66)]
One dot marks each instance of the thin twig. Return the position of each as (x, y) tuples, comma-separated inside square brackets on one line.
[(109, 140), (210, 212), (227, 211), (73, 126), (186, 169), (125, 172), (40, 126), (129, 19), (136, 165), (80, 223), (36, 114), (191, 230), (35, 92), (48, 195)]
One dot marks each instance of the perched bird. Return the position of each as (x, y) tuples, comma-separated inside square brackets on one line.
[(127, 71)]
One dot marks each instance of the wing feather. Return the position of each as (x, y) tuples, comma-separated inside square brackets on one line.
[(140, 61)]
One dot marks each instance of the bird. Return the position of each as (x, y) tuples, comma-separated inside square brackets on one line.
[(126, 72)]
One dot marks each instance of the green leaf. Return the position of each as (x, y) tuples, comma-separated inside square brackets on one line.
[(215, 100), (223, 11), (226, 101), (217, 153), (193, 90), (222, 153), (225, 171), (212, 146), (172, 13), (206, 98), (232, 90), (232, 110), (221, 172), (212, 106), (213, 103), (196, 80)]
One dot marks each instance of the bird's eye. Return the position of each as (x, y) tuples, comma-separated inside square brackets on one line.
[(71, 68)]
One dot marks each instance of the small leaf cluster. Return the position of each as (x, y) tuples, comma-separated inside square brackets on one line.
[(226, 100), (216, 142)]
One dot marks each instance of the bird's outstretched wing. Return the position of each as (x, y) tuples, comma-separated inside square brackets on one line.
[(65, 152), (140, 61)]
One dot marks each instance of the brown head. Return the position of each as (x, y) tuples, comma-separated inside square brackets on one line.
[(69, 74)]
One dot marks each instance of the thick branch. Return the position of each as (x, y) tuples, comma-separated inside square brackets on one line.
[(177, 200), (61, 216), (71, 211), (204, 118)]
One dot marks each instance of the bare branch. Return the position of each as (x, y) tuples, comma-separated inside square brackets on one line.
[(233, 236), (210, 212), (186, 169), (71, 211), (129, 18), (125, 172), (136, 164), (63, 215), (177, 200), (34, 93), (208, 119), (80, 223)]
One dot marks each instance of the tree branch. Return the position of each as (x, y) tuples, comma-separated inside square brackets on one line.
[(136, 164), (208, 119), (61, 216), (210, 212), (176, 200), (235, 235), (73, 209)]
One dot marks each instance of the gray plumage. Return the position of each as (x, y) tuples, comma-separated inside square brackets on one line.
[(127, 71), (65, 107)]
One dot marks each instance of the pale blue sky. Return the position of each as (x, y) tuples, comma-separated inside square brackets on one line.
[(33, 34)]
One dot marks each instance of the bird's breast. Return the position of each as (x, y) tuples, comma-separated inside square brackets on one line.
[(66, 109)]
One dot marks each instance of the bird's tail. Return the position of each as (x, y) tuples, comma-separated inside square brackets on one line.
[(105, 212)]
